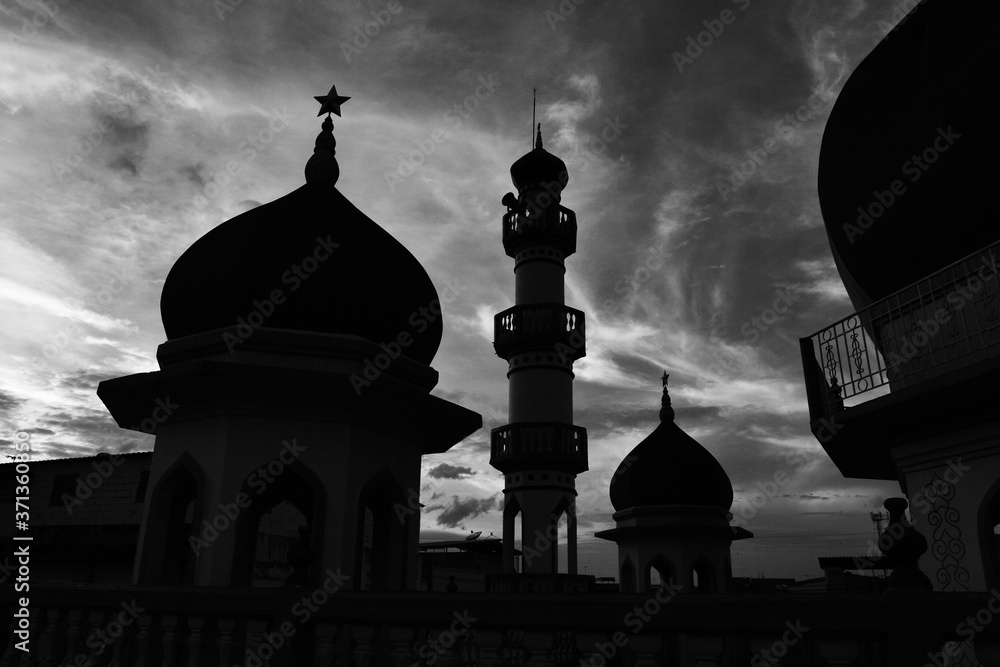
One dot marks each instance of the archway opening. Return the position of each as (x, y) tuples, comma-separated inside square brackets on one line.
[(660, 572), (702, 577), (627, 575), (382, 537), (277, 532), (268, 529)]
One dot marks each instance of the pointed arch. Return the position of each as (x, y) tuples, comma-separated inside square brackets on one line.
[(564, 506), (704, 579), (511, 525), (175, 509), (627, 576), (659, 572), (382, 538), (295, 484)]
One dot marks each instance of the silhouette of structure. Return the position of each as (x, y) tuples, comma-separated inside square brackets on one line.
[(672, 501), (297, 377), (904, 388), (293, 329), (540, 451)]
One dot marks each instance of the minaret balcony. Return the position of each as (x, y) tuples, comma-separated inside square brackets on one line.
[(555, 225), (539, 445), (540, 325)]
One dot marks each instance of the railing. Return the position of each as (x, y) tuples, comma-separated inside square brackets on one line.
[(173, 627), (555, 225), (549, 325), (543, 444), (946, 320)]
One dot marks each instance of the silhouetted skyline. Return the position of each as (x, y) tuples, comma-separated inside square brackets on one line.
[(129, 131)]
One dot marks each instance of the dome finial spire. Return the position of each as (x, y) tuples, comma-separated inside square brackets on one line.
[(322, 166), (538, 137), (666, 411)]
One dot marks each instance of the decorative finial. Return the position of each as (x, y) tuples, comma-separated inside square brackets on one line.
[(330, 103), (538, 137), (666, 412), (322, 166), (904, 546)]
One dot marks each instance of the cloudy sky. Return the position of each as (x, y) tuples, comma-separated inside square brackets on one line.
[(118, 120)]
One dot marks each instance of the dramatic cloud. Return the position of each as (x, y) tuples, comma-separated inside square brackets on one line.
[(445, 471), (132, 129), (455, 514)]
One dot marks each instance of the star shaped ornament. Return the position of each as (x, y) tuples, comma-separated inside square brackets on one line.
[(331, 102)]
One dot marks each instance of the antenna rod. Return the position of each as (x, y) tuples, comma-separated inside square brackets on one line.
[(533, 91)]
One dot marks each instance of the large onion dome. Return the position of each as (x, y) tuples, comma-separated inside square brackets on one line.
[(308, 261), (908, 161)]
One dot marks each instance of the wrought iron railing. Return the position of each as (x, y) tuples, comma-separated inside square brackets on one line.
[(549, 325), (946, 320)]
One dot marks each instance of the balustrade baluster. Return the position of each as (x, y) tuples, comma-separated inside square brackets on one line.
[(168, 624), (72, 633), (225, 641), (364, 649), (142, 640), (539, 645), (255, 644), (194, 641), (401, 653), (705, 651), (325, 652), (94, 618), (47, 642), (491, 648), (646, 649)]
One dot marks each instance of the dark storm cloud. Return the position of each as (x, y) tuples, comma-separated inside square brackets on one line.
[(86, 381), (446, 471), (122, 111), (9, 401), (195, 174), (95, 427), (454, 515)]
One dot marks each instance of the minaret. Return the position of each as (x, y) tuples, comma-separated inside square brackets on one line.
[(540, 451)]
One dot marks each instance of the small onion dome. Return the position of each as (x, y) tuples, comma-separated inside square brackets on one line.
[(669, 467), (539, 166), (309, 261)]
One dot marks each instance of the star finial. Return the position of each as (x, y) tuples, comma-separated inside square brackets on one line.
[(331, 102), (666, 412)]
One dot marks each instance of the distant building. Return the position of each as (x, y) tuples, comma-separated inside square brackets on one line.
[(463, 563), (85, 516)]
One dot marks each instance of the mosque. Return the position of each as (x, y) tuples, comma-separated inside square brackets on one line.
[(276, 521)]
